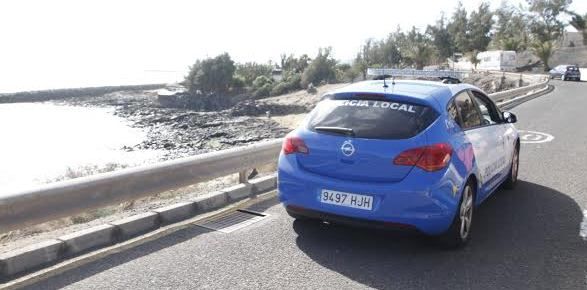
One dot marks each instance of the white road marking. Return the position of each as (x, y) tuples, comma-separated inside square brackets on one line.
[(583, 229), (534, 137)]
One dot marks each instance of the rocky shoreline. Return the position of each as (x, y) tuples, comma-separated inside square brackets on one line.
[(183, 132), (180, 131)]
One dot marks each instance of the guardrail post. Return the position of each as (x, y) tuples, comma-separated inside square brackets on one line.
[(243, 177)]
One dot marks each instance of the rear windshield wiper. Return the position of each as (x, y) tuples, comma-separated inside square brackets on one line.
[(338, 130)]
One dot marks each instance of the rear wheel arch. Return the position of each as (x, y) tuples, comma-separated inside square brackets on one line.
[(473, 181), (516, 147), (512, 178), (453, 237)]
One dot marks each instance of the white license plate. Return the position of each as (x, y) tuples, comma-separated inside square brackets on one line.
[(347, 199)]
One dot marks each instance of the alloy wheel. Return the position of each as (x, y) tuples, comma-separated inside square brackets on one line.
[(515, 163), (466, 212)]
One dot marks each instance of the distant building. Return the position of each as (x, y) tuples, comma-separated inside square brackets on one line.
[(277, 74), (572, 39)]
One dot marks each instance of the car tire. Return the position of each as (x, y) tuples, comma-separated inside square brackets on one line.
[(459, 232), (510, 182)]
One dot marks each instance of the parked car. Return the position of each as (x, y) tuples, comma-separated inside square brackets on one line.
[(408, 154), (566, 72)]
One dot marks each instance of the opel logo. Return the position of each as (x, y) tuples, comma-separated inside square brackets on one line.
[(347, 148)]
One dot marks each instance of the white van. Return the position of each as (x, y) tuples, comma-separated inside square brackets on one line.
[(500, 60)]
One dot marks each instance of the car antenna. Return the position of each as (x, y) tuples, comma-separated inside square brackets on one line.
[(384, 83), (385, 76)]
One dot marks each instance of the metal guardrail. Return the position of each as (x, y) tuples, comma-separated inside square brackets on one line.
[(416, 73), (509, 94), (530, 78), (71, 197)]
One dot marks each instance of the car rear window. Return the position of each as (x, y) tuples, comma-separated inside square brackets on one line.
[(372, 119), (572, 68)]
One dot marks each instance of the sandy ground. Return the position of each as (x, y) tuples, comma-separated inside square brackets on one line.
[(290, 121), (302, 98)]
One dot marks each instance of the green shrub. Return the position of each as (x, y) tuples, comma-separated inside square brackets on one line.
[(250, 71), (342, 70), (293, 81), (280, 89), (211, 75), (261, 81), (238, 82), (293, 64), (263, 91), (321, 69)]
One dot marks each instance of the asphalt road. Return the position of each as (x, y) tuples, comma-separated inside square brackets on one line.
[(523, 239)]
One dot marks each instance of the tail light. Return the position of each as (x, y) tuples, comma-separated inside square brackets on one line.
[(293, 144), (429, 158)]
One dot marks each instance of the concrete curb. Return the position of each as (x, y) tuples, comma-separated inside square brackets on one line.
[(88, 239), (176, 212), (22, 261), (101, 253), (135, 225), (31, 257)]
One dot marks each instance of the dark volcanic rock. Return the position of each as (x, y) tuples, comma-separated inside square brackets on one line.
[(193, 133), (199, 102), (254, 108)]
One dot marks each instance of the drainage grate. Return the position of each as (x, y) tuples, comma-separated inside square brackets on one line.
[(233, 221)]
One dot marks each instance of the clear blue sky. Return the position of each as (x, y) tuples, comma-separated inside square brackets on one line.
[(76, 43)]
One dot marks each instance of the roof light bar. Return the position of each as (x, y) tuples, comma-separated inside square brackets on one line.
[(415, 73)]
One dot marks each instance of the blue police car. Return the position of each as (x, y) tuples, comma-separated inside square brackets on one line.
[(399, 154)]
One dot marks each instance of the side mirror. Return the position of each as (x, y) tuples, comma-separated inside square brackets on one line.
[(509, 117)]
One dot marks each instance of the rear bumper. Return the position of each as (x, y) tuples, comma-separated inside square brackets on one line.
[(351, 221), (427, 202), (573, 76)]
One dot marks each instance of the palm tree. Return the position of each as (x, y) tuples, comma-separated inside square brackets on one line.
[(473, 58), (514, 44), (419, 48), (421, 53), (543, 50)]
